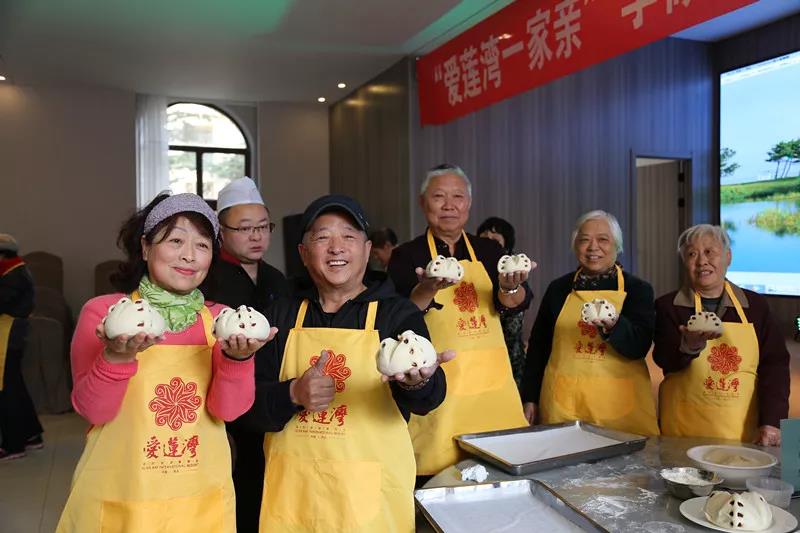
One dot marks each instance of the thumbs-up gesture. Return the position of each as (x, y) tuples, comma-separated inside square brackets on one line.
[(313, 390)]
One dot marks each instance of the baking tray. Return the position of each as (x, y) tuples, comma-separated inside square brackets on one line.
[(527, 450), (521, 505)]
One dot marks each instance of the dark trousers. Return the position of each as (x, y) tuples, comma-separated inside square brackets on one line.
[(248, 477), (18, 420)]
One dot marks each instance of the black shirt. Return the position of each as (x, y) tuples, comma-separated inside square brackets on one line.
[(273, 407), (631, 337), (229, 284), (415, 253), (16, 299)]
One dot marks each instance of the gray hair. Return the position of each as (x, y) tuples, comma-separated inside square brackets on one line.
[(613, 224), (441, 170), (697, 231)]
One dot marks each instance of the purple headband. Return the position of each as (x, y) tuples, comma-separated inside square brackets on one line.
[(180, 203)]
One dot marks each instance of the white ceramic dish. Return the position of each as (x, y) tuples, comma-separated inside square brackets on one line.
[(735, 476), (782, 521)]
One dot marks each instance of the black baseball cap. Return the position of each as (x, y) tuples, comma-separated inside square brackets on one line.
[(334, 202)]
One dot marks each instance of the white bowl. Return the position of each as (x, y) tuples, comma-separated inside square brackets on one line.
[(735, 476)]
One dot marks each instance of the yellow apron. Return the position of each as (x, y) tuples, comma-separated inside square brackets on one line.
[(350, 467), (716, 395), (587, 379), (6, 322), (481, 392), (163, 465)]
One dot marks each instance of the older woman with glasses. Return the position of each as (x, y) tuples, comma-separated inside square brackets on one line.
[(729, 381)]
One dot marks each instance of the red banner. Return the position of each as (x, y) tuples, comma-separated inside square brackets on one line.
[(530, 43)]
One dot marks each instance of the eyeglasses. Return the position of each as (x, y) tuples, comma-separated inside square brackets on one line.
[(252, 230)]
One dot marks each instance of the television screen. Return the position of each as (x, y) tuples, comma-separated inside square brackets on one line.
[(759, 169)]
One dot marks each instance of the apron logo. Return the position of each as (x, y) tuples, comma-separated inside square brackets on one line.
[(322, 417), (721, 385), (724, 359), (589, 330), (174, 447), (176, 403), (598, 350), (466, 298), (335, 368)]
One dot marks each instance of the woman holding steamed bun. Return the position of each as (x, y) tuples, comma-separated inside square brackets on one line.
[(592, 368), (729, 382), (157, 457)]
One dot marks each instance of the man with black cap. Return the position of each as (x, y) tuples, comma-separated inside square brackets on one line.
[(339, 455), (239, 276), (19, 425)]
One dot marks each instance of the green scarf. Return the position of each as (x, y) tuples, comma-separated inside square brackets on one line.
[(178, 310)]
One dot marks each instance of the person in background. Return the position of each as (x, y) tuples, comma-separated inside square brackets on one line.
[(157, 457), (729, 385), (19, 426), (240, 276), (463, 316), (502, 231), (384, 240), (595, 372), (338, 451)]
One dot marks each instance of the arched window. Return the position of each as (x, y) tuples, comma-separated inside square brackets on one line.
[(207, 149)]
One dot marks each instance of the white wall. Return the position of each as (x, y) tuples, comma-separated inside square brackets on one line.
[(67, 175), (294, 163)]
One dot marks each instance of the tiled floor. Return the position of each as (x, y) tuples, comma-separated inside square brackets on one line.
[(33, 490)]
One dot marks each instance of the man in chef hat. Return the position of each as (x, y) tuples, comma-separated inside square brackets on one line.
[(240, 276)]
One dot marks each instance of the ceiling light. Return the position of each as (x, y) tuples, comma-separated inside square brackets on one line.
[(341, 85), (321, 99), (2, 78)]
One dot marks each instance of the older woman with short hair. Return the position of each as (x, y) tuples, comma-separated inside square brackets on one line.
[(595, 371), (733, 384)]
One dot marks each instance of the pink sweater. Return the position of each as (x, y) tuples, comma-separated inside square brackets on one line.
[(99, 386)]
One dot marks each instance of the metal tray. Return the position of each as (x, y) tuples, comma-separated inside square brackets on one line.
[(521, 505), (614, 443)]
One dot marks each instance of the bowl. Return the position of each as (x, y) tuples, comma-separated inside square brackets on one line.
[(735, 476), (680, 484), (776, 491)]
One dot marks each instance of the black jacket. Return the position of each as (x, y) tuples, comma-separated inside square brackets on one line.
[(230, 285), (16, 299), (273, 407)]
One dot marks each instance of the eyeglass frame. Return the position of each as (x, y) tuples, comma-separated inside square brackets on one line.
[(251, 230)]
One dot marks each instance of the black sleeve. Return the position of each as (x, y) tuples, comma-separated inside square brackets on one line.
[(632, 335), (406, 316), (16, 293), (540, 343), (401, 270), (273, 407), (492, 252), (773, 383), (667, 352)]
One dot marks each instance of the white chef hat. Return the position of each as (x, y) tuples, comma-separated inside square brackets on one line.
[(239, 191)]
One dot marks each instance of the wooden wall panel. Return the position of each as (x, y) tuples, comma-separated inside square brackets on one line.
[(369, 139), (542, 158)]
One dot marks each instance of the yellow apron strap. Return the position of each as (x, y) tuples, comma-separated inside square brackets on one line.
[(372, 312), (434, 253), (736, 303), (698, 304), (431, 244), (6, 321), (620, 278), (208, 325), (301, 315), (472, 256)]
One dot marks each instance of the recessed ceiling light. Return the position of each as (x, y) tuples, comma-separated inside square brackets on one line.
[(2, 78), (341, 85), (321, 99)]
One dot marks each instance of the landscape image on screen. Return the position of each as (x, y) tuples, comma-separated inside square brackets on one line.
[(760, 173)]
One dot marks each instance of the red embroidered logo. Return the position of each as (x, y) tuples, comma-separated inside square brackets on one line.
[(587, 329), (335, 368), (176, 403), (466, 298), (724, 359)]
